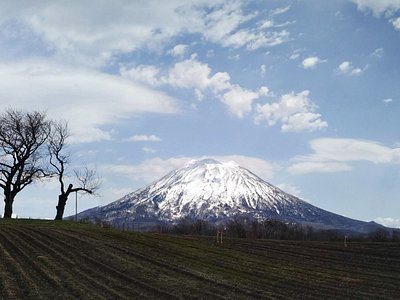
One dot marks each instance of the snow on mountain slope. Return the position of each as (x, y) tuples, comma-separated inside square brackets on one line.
[(215, 191)]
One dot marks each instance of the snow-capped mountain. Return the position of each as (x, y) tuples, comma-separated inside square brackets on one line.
[(215, 191)]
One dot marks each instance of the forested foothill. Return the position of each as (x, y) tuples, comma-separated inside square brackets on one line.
[(34, 147)]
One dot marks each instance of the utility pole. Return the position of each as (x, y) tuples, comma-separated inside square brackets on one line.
[(76, 206)]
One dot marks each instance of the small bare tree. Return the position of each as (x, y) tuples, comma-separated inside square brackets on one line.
[(23, 136), (86, 178)]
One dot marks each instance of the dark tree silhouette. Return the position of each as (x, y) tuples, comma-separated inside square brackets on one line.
[(86, 178), (23, 136)]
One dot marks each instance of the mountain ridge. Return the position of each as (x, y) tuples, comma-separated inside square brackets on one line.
[(217, 192)]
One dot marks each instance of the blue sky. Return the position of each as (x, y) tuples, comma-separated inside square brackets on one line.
[(305, 94)]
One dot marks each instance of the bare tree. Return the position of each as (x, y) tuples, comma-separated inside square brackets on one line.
[(86, 178), (22, 152)]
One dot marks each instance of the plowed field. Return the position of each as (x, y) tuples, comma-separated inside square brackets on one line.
[(64, 260)]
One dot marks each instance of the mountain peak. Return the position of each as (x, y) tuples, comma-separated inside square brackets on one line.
[(216, 191), (208, 189)]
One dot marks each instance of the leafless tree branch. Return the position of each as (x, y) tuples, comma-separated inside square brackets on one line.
[(23, 136), (87, 180)]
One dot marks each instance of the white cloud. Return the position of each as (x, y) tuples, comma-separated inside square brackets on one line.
[(334, 155), (254, 39), (304, 121), (225, 26), (382, 7), (179, 50), (77, 33), (356, 71), (198, 94), (142, 73), (240, 39), (267, 24), (338, 14), (388, 222), (188, 74), (149, 150), (87, 99), (295, 112), (346, 150), (378, 52), (288, 188), (193, 74), (263, 70), (287, 23), (347, 68), (396, 23), (264, 91), (311, 62), (296, 54), (220, 23), (388, 100), (318, 167), (144, 138), (262, 168), (239, 100), (378, 7), (148, 170), (280, 10), (210, 53), (153, 169), (344, 67)]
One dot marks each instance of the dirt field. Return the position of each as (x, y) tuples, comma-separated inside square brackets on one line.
[(47, 260)]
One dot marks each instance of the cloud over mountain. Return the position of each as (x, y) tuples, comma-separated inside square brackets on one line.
[(336, 155), (295, 112), (89, 100)]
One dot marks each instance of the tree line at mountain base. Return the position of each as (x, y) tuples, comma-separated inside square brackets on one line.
[(255, 229), (276, 230)]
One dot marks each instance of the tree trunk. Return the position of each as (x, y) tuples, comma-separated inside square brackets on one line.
[(62, 200), (8, 207)]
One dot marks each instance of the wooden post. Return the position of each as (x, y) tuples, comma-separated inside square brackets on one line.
[(345, 241), (219, 236)]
